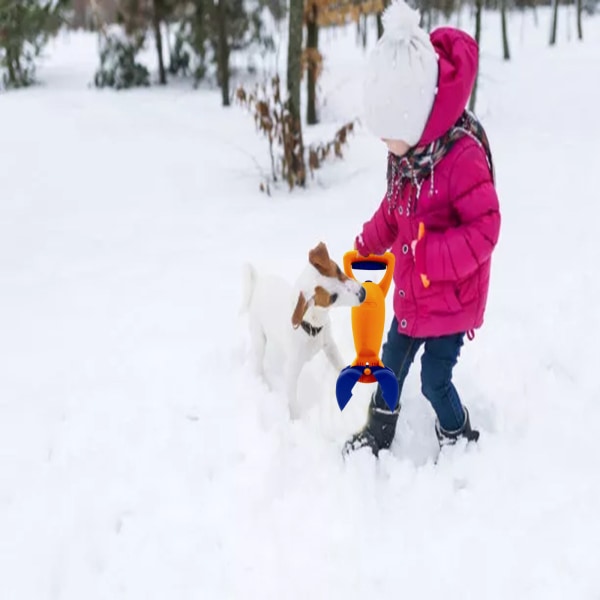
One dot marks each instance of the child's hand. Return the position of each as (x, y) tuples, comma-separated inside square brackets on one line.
[(357, 247)]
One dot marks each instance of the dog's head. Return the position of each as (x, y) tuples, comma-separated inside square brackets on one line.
[(328, 286)]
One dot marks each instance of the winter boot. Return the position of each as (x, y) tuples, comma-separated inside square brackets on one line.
[(377, 434), (449, 438)]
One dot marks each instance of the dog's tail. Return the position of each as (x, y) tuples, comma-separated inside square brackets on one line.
[(249, 279)]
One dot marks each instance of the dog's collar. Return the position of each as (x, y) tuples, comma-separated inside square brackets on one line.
[(310, 329)]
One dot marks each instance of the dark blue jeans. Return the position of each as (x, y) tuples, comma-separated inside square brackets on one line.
[(439, 358)]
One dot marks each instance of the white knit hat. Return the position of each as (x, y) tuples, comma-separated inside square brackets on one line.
[(401, 78)]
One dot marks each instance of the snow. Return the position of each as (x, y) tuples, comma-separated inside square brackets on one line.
[(141, 458)]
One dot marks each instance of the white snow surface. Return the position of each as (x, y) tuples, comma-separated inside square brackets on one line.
[(140, 456)]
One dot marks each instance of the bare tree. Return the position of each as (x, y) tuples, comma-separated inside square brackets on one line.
[(579, 24), (223, 51), (158, 14), (478, 11), (294, 77), (505, 47), (554, 22), (294, 66), (380, 20), (426, 8), (312, 59)]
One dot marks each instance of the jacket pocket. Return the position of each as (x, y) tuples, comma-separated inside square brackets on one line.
[(466, 290), (451, 298), (438, 298)]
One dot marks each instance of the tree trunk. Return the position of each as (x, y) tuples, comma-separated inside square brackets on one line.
[(79, 13), (312, 46), (379, 25), (380, 19), (579, 24), (223, 58), (201, 10), (365, 30), (425, 6), (505, 48), (294, 67), (554, 22), (459, 10), (22, 77), (478, 11), (10, 66), (157, 16), (169, 47), (294, 76)]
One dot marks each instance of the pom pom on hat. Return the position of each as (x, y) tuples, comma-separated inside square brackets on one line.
[(400, 21), (401, 79)]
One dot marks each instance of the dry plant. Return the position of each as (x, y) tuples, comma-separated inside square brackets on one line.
[(312, 60), (274, 120), (332, 13), (318, 154)]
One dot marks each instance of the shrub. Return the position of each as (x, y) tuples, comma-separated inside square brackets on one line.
[(118, 66), (25, 28)]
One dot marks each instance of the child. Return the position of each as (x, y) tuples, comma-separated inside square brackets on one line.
[(440, 214)]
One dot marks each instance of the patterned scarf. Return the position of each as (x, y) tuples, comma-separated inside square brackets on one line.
[(419, 163)]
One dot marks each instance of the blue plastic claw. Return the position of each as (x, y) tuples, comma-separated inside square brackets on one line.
[(345, 383), (350, 375), (389, 385)]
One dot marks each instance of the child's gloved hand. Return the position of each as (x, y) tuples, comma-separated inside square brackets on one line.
[(358, 246)]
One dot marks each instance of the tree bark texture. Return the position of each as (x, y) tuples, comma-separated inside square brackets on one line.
[(379, 25), (505, 46), (294, 67), (157, 16), (312, 46), (478, 11), (380, 19), (554, 22), (294, 77), (223, 59)]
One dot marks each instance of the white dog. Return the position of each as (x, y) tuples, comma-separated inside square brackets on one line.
[(297, 320)]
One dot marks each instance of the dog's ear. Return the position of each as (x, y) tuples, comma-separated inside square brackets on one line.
[(319, 258), (299, 311), (322, 297)]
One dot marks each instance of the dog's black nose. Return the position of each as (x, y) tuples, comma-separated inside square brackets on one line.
[(362, 294)]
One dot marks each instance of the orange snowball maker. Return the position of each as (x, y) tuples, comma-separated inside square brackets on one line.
[(368, 322)]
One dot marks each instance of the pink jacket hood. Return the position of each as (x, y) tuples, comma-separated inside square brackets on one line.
[(457, 65)]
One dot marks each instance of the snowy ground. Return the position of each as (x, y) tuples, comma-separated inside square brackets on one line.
[(141, 458)]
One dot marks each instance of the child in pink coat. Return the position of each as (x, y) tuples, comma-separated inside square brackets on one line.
[(440, 215)]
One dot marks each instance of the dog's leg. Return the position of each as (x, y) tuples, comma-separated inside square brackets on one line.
[(332, 352), (293, 368), (259, 346)]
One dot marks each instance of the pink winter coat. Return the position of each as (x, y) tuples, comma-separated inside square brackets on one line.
[(458, 206)]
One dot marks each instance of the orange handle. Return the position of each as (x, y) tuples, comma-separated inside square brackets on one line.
[(424, 280), (368, 319), (387, 259)]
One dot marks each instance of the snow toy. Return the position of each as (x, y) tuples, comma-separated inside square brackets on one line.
[(368, 320)]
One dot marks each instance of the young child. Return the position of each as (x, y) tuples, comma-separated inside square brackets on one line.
[(440, 215)]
